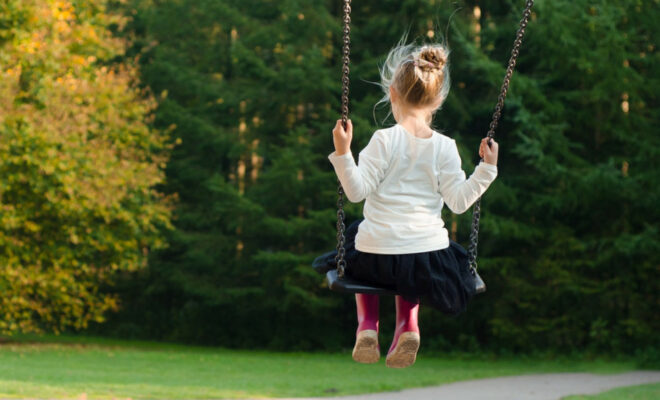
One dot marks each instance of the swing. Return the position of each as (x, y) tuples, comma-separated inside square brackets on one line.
[(336, 279)]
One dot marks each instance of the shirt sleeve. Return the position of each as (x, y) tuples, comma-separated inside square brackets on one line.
[(459, 193), (360, 180)]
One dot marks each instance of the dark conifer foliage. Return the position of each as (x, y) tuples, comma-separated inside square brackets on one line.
[(569, 244)]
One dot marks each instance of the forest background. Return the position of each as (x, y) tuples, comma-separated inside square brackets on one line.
[(164, 172)]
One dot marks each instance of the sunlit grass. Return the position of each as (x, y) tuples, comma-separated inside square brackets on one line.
[(641, 392)]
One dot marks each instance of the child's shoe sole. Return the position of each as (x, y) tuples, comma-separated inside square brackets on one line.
[(405, 352), (366, 348)]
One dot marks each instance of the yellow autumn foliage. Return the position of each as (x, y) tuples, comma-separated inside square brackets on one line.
[(78, 165)]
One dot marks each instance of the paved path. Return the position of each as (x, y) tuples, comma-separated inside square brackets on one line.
[(521, 387)]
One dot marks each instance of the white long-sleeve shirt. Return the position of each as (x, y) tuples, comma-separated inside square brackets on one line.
[(406, 180)]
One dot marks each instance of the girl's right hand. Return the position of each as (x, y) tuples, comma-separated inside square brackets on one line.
[(342, 138), (489, 154)]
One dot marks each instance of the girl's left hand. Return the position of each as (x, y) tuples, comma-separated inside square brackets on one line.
[(489, 153), (342, 138)]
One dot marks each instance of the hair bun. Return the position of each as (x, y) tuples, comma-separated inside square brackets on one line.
[(431, 58)]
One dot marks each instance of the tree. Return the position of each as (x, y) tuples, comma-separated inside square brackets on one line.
[(572, 244), (78, 165)]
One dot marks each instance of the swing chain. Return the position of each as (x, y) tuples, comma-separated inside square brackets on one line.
[(472, 251), (346, 50), (509, 71), (341, 227), (341, 251)]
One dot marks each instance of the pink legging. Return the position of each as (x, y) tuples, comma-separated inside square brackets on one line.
[(368, 310)]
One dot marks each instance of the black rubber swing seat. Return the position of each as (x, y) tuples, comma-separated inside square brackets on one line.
[(325, 264), (350, 285)]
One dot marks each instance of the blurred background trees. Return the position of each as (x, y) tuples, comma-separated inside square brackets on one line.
[(78, 165), (250, 91)]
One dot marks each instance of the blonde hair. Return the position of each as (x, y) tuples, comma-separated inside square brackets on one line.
[(418, 73)]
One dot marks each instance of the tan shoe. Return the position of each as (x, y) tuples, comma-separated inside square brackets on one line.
[(404, 352), (366, 350)]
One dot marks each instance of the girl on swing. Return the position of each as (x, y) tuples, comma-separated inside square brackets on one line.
[(406, 173)]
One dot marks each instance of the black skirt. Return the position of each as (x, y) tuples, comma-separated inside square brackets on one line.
[(440, 278)]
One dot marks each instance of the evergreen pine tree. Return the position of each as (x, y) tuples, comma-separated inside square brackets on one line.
[(568, 240)]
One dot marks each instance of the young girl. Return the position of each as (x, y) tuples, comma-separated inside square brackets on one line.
[(406, 174)]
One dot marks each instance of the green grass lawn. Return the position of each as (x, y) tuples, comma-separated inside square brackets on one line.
[(67, 367), (649, 391)]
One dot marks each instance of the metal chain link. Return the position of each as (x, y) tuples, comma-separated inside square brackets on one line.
[(472, 250), (339, 258)]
